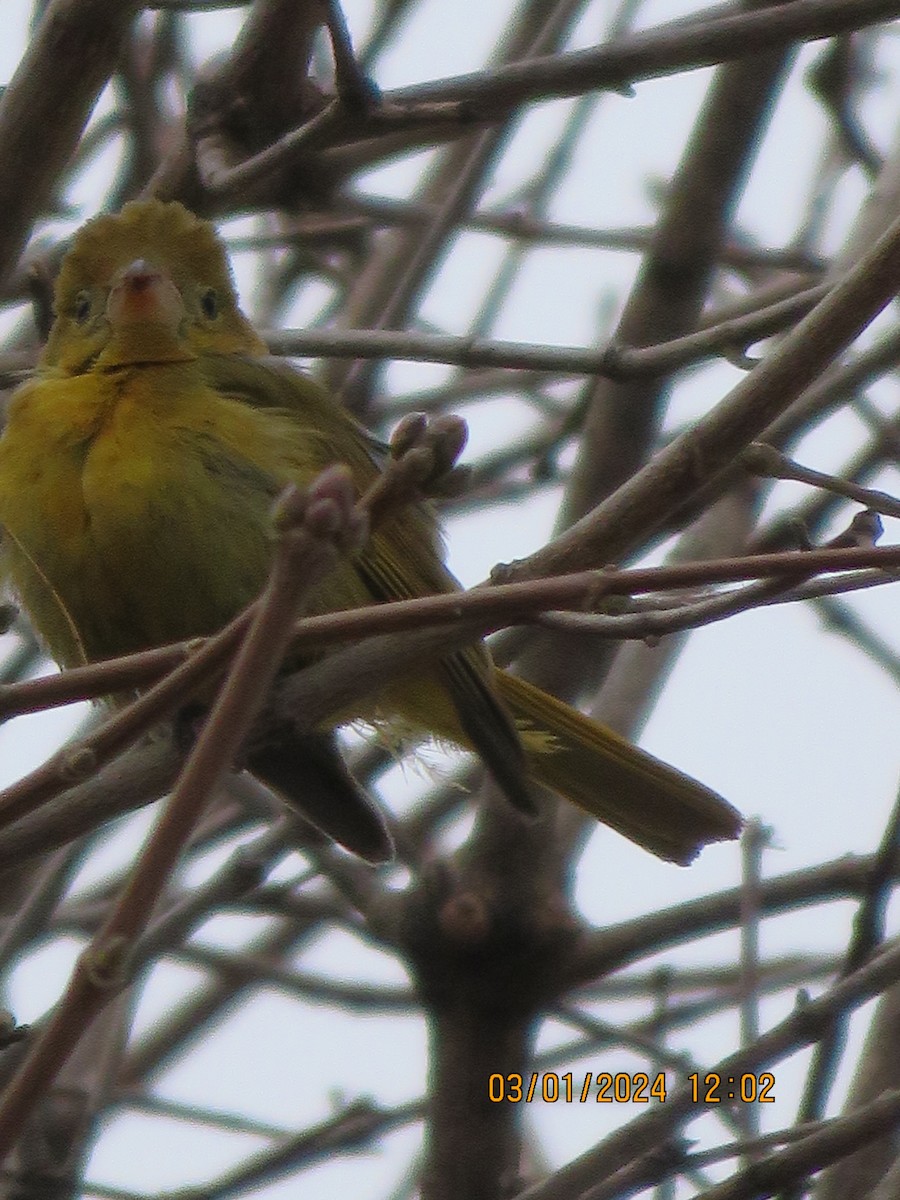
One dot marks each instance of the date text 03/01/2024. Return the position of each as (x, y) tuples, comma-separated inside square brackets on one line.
[(602, 1087)]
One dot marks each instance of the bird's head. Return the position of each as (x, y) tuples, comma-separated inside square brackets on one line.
[(151, 283)]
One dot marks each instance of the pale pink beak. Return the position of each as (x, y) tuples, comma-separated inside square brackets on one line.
[(142, 292)]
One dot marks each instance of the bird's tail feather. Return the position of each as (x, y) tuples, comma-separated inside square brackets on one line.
[(651, 803)]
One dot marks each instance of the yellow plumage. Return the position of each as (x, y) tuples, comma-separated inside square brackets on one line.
[(137, 473)]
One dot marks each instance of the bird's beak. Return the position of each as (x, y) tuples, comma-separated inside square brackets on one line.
[(142, 293), (146, 318)]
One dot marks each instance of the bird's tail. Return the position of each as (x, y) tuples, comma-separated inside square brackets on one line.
[(652, 804)]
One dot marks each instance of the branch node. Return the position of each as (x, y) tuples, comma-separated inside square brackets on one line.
[(106, 963)]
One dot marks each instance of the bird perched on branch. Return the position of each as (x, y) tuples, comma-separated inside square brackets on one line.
[(137, 473)]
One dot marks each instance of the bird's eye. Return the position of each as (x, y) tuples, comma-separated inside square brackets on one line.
[(209, 304), (82, 307)]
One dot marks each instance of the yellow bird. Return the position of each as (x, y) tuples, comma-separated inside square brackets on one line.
[(137, 473)]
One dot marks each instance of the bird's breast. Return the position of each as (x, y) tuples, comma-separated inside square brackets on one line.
[(129, 521)]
